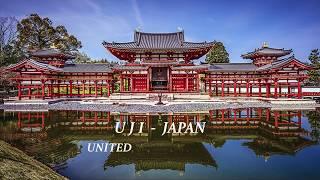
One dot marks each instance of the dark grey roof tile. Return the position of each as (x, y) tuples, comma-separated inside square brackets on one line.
[(86, 68), (36, 64), (267, 51), (195, 67), (144, 40), (232, 67), (129, 68), (50, 52)]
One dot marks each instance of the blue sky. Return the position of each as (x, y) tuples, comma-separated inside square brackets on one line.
[(241, 25)]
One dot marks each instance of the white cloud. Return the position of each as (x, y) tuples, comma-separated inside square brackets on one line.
[(137, 12)]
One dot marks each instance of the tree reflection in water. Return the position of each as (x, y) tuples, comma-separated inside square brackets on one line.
[(314, 121)]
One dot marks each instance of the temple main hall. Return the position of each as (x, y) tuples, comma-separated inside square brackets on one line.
[(160, 63)]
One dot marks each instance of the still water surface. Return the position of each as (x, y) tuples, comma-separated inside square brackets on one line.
[(251, 143)]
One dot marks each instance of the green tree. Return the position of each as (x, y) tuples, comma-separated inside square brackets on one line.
[(35, 32), (314, 74), (217, 54), (6, 83), (9, 53), (82, 58), (314, 57)]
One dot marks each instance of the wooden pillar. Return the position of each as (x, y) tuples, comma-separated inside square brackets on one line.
[(247, 88), (210, 90), (276, 88), (121, 83), (197, 82), (89, 88), (168, 78), (58, 88), (260, 88), (83, 88), (216, 88), (29, 92), (19, 90), (299, 90), (187, 82), (267, 90), (67, 90), (250, 89), (101, 86), (111, 86), (43, 88), (108, 86), (70, 86), (78, 88), (131, 82), (222, 88), (51, 90), (279, 90), (148, 81), (95, 89), (205, 83), (234, 88), (289, 90)]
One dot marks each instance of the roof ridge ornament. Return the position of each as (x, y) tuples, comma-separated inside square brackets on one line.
[(265, 45), (179, 34), (138, 29), (137, 35)]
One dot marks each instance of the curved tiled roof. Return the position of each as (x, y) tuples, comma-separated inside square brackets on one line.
[(34, 63), (267, 52), (195, 67), (280, 63), (87, 68), (232, 67), (129, 68), (50, 53), (144, 40)]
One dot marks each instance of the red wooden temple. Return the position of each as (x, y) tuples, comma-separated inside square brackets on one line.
[(160, 62)]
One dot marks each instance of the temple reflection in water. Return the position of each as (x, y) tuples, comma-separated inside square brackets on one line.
[(52, 136)]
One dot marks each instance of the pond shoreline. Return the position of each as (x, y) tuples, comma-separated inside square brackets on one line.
[(15, 164)]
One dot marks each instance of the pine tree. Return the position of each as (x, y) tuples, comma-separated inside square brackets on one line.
[(217, 54), (314, 57), (314, 74), (35, 32)]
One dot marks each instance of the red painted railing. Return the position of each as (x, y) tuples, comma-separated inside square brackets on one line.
[(311, 93)]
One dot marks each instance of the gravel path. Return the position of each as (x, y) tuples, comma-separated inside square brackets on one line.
[(142, 108)]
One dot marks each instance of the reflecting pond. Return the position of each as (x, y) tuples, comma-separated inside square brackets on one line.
[(250, 143)]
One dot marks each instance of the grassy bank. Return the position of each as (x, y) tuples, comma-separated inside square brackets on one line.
[(15, 164)]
